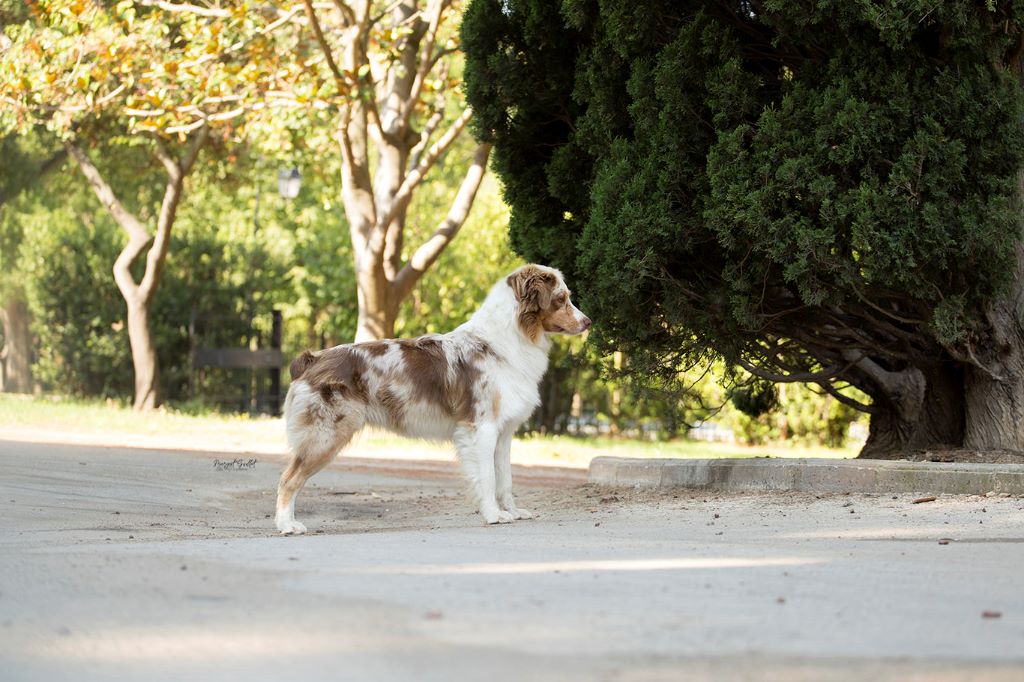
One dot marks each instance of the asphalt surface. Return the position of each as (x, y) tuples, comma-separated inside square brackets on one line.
[(121, 564)]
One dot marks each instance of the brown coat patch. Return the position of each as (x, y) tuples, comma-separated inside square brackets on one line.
[(462, 394), (393, 405), (450, 388), (374, 348), (300, 364), (338, 370), (426, 367)]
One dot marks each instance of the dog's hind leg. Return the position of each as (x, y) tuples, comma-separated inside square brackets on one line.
[(313, 451), (475, 445)]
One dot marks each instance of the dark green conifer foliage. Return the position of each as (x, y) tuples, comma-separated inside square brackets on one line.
[(818, 190)]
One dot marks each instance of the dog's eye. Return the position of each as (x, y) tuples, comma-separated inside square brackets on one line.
[(560, 300)]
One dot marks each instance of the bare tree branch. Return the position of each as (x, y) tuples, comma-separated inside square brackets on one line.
[(792, 377), (346, 11), (266, 30), (845, 399), (434, 12), (404, 194), (888, 313), (192, 151), (386, 11), (138, 237), (967, 356), (176, 172), (125, 218), (428, 130), (891, 382), (429, 251), (339, 78), (184, 7), (69, 108)]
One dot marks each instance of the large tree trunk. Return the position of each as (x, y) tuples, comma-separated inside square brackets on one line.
[(377, 313), (388, 123), (17, 350), (147, 371), (922, 410), (995, 407), (995, 383), (980, 407)]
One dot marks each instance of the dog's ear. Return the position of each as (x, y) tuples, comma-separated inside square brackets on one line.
[(533, 289), (532, 286)]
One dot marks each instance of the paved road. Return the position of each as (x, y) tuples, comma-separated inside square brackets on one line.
[(121, 564)]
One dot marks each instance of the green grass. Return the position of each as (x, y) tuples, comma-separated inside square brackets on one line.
[(109, 423), (71, 420), (98, 416)]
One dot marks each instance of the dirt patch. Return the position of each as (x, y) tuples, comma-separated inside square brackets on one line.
[(960, 455)]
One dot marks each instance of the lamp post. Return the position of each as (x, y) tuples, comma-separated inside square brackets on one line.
[(289, 182)]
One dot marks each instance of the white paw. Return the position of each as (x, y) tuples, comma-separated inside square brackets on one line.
[(496, 516), (290, 527), (520, 513)]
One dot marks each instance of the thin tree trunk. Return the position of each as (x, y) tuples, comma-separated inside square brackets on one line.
[(17, 350), (147, 370), (616, 400), (139, 296)]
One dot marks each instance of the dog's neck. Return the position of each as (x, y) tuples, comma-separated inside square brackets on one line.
[(496, 321)]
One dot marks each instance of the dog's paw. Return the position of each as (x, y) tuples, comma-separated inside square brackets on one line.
[(290, 527), (496, 516), (520, 513)]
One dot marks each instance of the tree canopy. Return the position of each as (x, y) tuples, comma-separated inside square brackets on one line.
[(825, 192)]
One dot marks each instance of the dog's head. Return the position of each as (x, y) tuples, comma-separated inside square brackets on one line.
[(544, 304)]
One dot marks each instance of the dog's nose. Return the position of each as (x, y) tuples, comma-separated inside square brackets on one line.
[(586, 323)]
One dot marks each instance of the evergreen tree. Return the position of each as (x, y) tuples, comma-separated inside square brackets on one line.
[(825, 192)]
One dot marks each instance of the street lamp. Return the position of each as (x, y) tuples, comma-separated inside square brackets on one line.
[(288, 183)]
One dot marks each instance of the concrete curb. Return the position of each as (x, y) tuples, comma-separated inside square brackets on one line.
[(809, 475)]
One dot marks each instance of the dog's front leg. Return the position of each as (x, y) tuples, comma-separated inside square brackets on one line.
[(503, 476), (475, 445)]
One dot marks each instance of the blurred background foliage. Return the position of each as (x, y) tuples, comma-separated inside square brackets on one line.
[(232, 261), (240, 251)]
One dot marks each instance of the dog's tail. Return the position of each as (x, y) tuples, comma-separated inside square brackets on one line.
[(301, 364)]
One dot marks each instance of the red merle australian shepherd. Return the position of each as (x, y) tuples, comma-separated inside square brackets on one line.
[(473, 386)]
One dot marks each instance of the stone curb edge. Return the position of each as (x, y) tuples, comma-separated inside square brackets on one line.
[(809, 475)]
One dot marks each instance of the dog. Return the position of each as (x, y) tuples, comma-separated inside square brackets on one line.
[(473, 386)]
